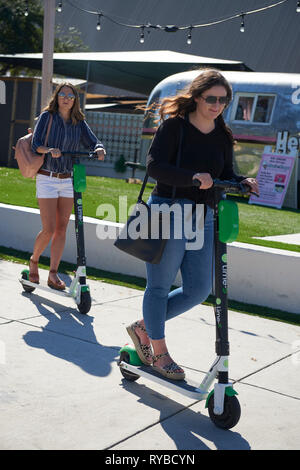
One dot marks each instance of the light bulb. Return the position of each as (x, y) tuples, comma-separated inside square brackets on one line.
[(59, 7), (98, 27), (189, 38), (242, 27), (298, 7), (142, 36)]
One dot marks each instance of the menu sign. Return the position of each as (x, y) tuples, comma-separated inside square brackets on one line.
[(273, 178)]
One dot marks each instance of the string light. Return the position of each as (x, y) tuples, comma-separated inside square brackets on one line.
[(298, 7), (142, 36), (174, 28), (242, 27), (189, 38), (98, 27), (59, 7)]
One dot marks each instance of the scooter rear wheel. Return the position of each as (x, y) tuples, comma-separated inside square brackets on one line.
[(130, 376), (25, 276), (231, 414), (85, 303)]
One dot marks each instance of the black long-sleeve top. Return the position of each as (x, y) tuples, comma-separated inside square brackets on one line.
[(201, 153)]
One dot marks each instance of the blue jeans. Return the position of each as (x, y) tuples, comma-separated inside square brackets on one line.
[(196, 266)]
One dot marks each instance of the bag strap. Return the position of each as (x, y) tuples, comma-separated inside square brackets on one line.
[(140, 196), (48, 130), (178, 158)]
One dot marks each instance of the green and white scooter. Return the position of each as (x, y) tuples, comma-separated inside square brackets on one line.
[(222, 403), (79, 289)]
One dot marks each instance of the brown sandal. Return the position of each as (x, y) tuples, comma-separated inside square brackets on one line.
[(33, 277), (59, 284)]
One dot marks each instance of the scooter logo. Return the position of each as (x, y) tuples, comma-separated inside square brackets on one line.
[(80, 214), (2, 93), (218, 312), (224, 277)]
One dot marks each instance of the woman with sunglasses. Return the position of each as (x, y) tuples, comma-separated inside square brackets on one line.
[(207, 153), (54, 189)]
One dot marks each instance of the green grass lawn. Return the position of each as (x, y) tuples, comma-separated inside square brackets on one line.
[(255, 221), (16, 190)]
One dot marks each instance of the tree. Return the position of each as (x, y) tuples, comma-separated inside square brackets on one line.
[(24, 34), (20, 33)]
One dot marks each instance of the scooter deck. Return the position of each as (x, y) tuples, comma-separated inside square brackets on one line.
[(43, 286), (185, 387)]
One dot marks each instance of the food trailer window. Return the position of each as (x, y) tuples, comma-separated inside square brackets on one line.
[(251, 107)]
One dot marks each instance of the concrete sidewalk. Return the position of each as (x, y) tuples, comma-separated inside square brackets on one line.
[(61, 387), (291, 238)]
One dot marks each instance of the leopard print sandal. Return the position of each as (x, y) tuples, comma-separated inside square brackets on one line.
[(143, 350)]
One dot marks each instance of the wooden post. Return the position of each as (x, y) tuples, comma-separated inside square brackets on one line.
[(48, 48), (10, 158)]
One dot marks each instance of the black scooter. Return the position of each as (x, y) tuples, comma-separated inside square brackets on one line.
[(222, 403), (78, 290)]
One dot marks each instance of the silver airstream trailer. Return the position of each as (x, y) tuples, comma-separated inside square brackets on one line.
[(265, 111)]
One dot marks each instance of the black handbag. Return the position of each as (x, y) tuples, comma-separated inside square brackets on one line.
[(143, 245)]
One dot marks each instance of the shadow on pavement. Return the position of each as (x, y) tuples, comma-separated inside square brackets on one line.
[(188, 429), (70, 336)]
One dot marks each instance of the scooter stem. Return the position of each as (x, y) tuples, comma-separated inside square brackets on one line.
[(78, 211), (221, 302)]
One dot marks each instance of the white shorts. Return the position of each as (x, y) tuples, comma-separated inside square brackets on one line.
[(51, 187)]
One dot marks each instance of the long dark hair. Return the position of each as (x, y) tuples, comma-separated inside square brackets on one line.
[(76, 113), (184, 102)]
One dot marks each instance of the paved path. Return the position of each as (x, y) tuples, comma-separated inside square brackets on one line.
[(292, 238), (61, 388)]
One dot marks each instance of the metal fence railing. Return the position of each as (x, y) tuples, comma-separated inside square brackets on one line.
[(119, 133)]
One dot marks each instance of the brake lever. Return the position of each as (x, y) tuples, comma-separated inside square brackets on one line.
[(249, 190)]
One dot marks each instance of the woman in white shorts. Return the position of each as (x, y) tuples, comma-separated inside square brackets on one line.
[(54, 188)]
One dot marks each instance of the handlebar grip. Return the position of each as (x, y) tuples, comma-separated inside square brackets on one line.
[(196, 183), (93, 155), (244, 188), (247, 190)]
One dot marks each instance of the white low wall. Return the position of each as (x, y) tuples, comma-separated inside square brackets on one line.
[(256, 275)]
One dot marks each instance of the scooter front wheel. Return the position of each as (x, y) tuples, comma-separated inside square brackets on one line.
[(85, 303), (231, 414)]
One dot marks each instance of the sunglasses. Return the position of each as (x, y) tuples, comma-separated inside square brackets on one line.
[(214, 99), (70, 96)]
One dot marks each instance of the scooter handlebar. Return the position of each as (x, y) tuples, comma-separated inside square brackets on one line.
[(90, 155), (227, 186)]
